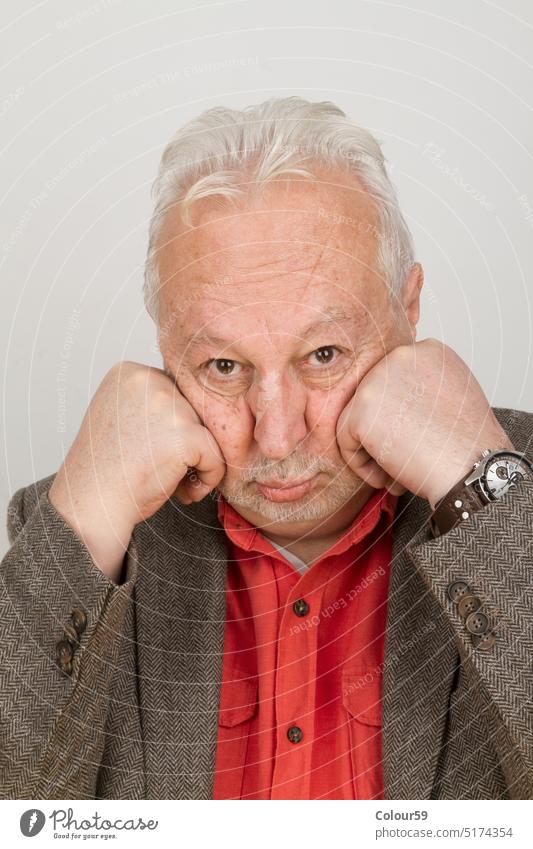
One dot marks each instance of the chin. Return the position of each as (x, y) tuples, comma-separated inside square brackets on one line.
[(317, 505)]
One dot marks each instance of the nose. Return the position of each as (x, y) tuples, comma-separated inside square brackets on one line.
[(279, 408)]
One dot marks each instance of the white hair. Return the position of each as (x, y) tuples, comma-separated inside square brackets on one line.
[(229, 153)]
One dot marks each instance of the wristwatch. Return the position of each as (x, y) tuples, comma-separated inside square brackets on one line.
[(492, 476)]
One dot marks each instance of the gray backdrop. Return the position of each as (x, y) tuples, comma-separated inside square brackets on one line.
[(90, 92)]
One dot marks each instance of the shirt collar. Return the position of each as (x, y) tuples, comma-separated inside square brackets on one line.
[(248, 538)]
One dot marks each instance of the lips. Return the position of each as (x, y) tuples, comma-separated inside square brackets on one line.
[(286, 491), (273, 484)]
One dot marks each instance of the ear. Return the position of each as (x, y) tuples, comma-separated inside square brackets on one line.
[(410, 298)]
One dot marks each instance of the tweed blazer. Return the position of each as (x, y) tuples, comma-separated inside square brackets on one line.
[(138, 716)]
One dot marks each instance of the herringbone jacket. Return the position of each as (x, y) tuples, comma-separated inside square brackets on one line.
[(138, 716)]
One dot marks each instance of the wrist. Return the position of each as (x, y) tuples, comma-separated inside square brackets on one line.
[(106, 537), (452, 475), (495, 473)]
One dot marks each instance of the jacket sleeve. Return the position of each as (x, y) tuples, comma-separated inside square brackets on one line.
[(492, 552), (51, 722)]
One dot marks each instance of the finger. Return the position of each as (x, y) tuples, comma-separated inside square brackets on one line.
[(205, 467), (206, 457), (194, 487), (191, 488), (372, 474), (356, 456), (365, 467)]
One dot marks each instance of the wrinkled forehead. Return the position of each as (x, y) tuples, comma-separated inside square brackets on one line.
[(304, 252)]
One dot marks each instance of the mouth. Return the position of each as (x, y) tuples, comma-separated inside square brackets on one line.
[(286, 491)]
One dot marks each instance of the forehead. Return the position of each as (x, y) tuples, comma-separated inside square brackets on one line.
[(300, 251)]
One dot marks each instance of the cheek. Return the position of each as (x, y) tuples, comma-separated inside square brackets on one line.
[(228, 419), (231, 424)]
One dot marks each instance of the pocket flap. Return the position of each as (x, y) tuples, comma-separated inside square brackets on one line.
[(238, 701), (361, 694)]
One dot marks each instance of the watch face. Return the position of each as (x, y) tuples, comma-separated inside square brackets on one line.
[(504, 472)]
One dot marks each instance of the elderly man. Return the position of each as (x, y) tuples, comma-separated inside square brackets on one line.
[(294, 563)]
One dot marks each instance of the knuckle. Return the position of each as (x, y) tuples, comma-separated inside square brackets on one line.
[(129, 375), (432, 342), (125, 367), (403, 352)]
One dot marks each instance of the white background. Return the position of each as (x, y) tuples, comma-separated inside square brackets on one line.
[(90, 92)]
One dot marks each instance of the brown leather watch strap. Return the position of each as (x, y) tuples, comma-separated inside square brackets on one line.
[(456, 506)]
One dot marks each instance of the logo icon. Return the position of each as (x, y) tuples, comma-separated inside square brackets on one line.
[(31, 822)]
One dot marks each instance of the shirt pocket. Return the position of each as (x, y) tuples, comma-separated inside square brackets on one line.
[(361, 699), (238, 707)]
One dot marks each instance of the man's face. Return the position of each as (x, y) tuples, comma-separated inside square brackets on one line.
[(270, 315)]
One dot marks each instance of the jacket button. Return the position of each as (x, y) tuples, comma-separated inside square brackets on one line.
[(457, 590), (468, 604), (300, 607), (71, 635), (64, 656), (295, 734), (79, 620), (477, 623), (63, 652), (66, 667), (485, 642)]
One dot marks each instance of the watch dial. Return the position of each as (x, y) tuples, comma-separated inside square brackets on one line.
[(503, 473)]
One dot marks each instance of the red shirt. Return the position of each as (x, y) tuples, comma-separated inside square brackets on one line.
[(300, 707)]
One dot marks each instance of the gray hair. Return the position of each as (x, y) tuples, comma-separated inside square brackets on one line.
[(228, 153)]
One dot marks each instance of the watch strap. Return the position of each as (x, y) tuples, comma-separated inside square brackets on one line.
[(456, 506)]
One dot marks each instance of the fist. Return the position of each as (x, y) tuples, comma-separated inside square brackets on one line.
[(136, 447), (418, 421)]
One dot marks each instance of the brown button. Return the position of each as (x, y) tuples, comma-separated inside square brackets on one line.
[(457, 590), (63, 652), (485, 642), (71, 635), (477, 623), (66, 667), (79, 620), (468, 604)]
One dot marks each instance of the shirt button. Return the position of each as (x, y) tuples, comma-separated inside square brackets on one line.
[(477, 623), (457, 590), (295, 734), (300, 607)]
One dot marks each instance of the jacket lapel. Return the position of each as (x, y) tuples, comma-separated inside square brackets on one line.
[(419, 665), (180, 613)]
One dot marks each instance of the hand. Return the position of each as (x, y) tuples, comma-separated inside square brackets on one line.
[(136, 446), (418, 421)]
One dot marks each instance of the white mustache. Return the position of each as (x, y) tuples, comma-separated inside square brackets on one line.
[(287, 470)]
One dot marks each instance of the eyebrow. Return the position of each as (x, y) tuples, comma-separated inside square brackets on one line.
[(335, 316)]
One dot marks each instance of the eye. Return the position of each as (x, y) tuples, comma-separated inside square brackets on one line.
[(324, 356), (223, 368)]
